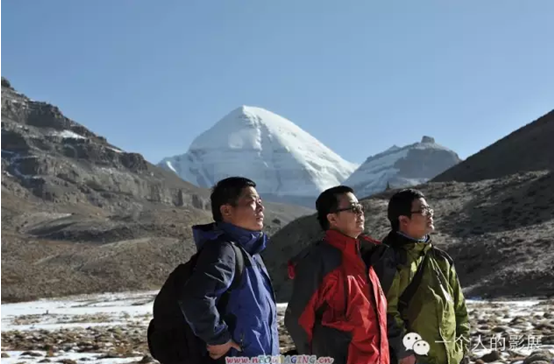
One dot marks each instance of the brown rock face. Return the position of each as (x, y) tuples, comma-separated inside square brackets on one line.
[(80, 215)]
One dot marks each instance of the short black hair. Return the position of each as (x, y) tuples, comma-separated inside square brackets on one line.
[(400, 204), (328, 202), (227, 191)]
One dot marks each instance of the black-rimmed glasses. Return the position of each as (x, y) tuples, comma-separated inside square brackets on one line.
[(424, 211), (355, 208)]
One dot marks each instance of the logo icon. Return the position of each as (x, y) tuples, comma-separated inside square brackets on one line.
[(413, 341)]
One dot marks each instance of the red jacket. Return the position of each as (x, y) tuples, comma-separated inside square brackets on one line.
[(337, 307)]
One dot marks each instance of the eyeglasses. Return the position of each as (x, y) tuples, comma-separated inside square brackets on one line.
[(425, 211), (356, 209)]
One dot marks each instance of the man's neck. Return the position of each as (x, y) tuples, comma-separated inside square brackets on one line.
[(421, 239), (343, 233), (236, 227)]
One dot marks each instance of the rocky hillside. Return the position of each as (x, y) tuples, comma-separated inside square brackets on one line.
[(529, 148), (80, 215), (500, 232), (60, 161)]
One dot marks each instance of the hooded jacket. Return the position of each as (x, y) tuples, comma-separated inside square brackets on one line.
[(337, 308), (250, 316), (436, 310)]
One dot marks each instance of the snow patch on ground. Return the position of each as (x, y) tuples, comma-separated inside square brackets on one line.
[(134, 309), (55, 314), (17, 357)]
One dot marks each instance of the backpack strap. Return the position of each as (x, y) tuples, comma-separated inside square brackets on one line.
[(409, 292), (441, 253), (239, 266), (406, 296), (237, 278)]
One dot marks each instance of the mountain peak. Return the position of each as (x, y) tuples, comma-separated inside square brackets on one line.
[(6, 83), (281, 157), (247, 110), (427, 139), (251, 118), (400, 167)]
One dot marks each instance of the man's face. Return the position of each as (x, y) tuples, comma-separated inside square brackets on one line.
[(348, 217), (248, 213), (421, 221)]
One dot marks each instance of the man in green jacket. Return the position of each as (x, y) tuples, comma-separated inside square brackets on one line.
[(423, 292)]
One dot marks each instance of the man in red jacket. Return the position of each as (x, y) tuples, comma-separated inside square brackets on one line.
[(337, 308)]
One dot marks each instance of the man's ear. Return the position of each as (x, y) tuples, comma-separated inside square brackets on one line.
[(403, 220), (225, 210), (332, 218)]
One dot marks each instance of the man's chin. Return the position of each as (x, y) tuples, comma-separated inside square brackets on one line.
[(252, 226), (358, 232)]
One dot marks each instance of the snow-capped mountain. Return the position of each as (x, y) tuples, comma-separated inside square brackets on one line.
[(402, 167), (283, 160)]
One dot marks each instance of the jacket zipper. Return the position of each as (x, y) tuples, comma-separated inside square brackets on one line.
[(271, 304), (372, 298)]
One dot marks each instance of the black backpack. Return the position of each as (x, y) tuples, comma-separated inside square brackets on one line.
[(170, 338)]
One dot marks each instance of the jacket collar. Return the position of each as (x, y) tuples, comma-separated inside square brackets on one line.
[(253, 242), (398, 239), (425, 239), (346, 244)]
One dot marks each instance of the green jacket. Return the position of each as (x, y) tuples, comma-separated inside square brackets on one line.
[(436, 310)]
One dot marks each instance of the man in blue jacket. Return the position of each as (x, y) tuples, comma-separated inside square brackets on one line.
[(247, 325)]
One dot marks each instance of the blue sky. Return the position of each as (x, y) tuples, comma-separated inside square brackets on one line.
[(358, 75)]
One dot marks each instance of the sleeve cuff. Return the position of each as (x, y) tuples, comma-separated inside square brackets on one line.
[(223, 337)]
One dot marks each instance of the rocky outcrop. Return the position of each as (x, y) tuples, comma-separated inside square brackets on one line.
[(61, 161)]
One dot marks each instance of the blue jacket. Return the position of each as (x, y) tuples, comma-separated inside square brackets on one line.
[(250, 317)]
